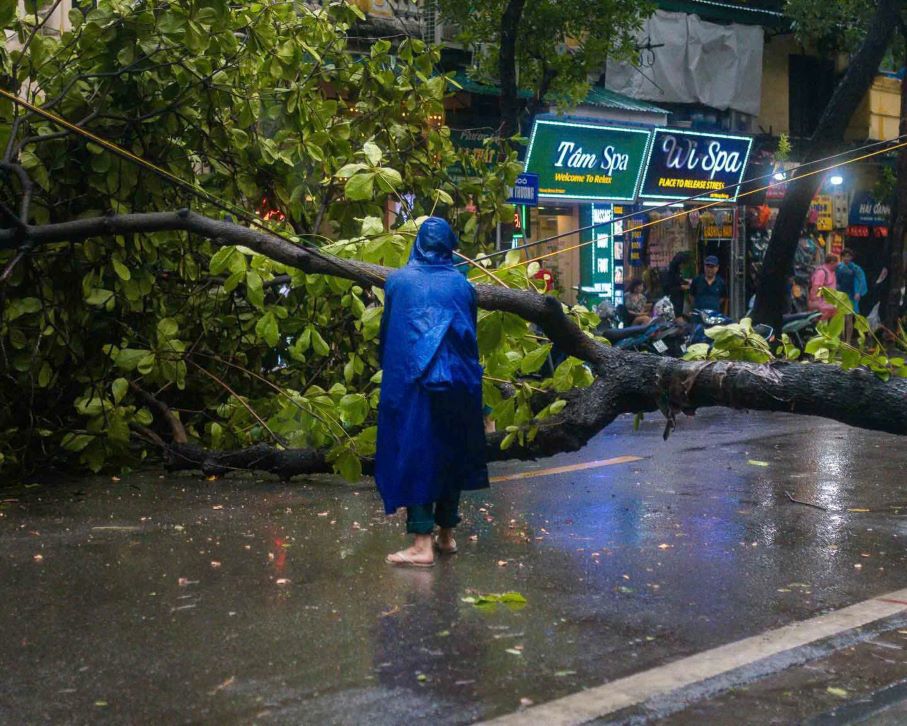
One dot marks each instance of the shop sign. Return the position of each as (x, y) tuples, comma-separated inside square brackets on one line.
[(602, 270), (868, 212), (688, 163), (473, 140), (586, 161), (821, 210)]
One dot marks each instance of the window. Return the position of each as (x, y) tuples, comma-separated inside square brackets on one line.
[(810, 85)]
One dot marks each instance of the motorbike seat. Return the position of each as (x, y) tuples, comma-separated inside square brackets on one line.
[(794, 317), (615, 334)]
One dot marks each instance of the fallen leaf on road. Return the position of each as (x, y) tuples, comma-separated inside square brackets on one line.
[(393, 611), (226, 684), (322, 514), (526, 701), (664, 546), (839, 692), (513, 651), (502, 563), (282, 581), (513, 598), (858, 509), (421, 677), (38, 558), (562, 674), (756, 462), (215, 564)]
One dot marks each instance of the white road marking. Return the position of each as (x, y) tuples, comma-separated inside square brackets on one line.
[(636, 689)]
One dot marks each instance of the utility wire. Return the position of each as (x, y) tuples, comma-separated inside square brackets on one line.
[(685, 212), (666, 205), (170, 177), (334, 260)]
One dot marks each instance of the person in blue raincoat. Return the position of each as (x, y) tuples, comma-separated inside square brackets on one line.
[(431, 439)]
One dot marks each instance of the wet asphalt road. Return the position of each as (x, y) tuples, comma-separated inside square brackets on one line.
[(175, 599)]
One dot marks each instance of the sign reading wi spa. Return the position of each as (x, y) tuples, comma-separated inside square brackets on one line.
[(688, 163), (586, 161)]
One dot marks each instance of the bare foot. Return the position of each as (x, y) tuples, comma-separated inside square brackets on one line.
[(445, 541), (419, 555)]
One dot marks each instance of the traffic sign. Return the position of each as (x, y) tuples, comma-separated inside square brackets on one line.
[(525, 190)]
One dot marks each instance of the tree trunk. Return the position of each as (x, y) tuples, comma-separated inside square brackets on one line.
[(897, 254), (625, 382), (771, 292), (510, 108)]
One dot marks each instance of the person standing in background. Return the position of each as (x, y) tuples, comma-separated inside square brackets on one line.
[(709, 291), (851, 279), (823, 276)]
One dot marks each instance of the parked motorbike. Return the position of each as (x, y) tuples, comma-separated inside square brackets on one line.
[(704, 319), (662, 336)]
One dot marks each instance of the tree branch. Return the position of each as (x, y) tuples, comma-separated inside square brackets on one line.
[(177, 430), (626, 382)]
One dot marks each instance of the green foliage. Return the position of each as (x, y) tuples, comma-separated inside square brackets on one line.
[(737, 341), (838, 27), (559, 43), (264, 106), (740, 342)]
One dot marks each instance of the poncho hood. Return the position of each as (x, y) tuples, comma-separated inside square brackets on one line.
[(434, 244)]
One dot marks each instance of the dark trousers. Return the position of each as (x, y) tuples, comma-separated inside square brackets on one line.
[(422, 518)]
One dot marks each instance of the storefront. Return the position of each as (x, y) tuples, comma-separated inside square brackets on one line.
[(682, 164), (843, 213), (589, 173)]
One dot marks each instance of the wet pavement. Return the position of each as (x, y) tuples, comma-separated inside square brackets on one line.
[(176, 599)]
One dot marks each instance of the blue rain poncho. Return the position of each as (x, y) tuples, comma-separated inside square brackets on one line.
[(431, 438)]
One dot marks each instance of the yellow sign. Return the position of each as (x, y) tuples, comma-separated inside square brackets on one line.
[(822, 204)]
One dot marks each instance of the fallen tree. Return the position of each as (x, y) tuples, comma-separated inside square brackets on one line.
[(625, 382), (129, 333)]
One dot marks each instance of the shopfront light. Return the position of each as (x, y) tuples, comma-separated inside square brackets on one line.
[(836, 180), (778, 176)]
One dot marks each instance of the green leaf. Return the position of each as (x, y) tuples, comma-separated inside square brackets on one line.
[(227, 258), (268, 329), (167, 328), (535, 359), (76, 442), (127, 359), (350, 170), (121, 269), (372, 153), (99, 296), (319, 346), (353, 408), (255, 290), (361, 187), (443, 197), (119, 388), (389, 179), (348, 465)]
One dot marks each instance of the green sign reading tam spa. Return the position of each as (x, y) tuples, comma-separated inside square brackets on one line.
[(586, 161)]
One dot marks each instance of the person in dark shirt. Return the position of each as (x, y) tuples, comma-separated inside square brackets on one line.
[(675, 284), (709, 291)]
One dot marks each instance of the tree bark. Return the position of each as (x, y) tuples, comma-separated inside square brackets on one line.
[(771, 291), (897, 253), (510, 108), (626, 382)]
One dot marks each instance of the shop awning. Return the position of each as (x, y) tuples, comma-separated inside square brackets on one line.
[(756, 12), (600, 97)]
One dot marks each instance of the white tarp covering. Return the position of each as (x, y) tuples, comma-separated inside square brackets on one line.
[(714, 65)]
